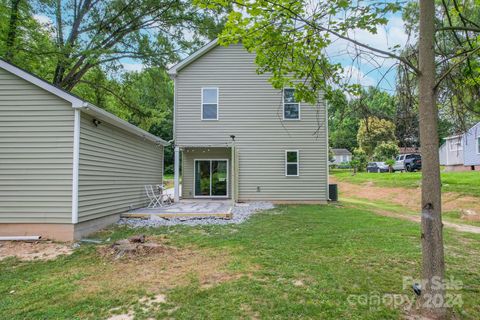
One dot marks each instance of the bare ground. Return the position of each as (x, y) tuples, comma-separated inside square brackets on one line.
[(410, 199), (157, 272), (36, 250)]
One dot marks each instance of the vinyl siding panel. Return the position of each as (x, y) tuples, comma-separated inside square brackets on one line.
[(114, 166), (36, 144), (454, 156), (188, 175), (471, 155), (252, 110)]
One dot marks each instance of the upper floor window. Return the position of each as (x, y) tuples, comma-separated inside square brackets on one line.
[(209, 103), (291, 108), (478, 145)]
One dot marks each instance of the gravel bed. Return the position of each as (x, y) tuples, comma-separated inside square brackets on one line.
[(241, 212)]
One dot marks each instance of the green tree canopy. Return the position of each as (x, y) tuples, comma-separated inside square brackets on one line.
[(373, 131)]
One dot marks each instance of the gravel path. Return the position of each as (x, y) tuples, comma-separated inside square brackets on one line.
[(241, 212)]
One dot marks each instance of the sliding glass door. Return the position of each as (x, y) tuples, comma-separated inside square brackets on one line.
[(211, 178)]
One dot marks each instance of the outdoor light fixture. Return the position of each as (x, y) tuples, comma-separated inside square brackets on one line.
[(96, 122)]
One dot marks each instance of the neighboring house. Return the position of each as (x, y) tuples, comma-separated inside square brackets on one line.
[(471, 154), (241, 139), (341, 156), (67, 168), (461, 152)]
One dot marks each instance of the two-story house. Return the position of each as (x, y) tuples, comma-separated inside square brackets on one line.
[(239, 138)]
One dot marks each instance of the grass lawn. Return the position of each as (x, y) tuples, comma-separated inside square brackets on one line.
[(467, 182), (291, 262)]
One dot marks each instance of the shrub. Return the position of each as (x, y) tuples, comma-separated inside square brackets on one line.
[(359, 160), (385, 151)]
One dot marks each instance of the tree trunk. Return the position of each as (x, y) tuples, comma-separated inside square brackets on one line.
[(12, 30), (432, 297)]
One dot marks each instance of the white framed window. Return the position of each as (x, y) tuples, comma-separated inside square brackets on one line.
[(209, 103), (292, 167), (291, 108), (478, 145)]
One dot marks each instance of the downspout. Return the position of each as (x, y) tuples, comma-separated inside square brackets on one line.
[(76, 161), (328, 149), (233, 170)]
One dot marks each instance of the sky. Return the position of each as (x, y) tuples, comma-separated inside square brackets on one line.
[(366, 71), (371, 71)]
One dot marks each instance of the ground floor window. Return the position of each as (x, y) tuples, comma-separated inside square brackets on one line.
[(291, 163), (211, 178)]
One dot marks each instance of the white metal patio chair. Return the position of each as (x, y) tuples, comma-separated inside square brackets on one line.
[(154, 198), (164, 197)]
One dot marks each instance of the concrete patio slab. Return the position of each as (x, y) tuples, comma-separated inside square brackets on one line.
[(186, 208)]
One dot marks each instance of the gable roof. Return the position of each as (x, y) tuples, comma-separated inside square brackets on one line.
[(191, 58), (462, 134), (341, 152), (78, 103)]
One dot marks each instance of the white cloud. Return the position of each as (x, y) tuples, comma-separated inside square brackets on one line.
[(385, 39), (43, 19), (353, 75), (130, 67)]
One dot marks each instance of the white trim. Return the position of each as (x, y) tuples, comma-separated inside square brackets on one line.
[(76, 102), (451, 137), (76, 162), (195, 178), (298, 163), (218, 109), (197, 54), (283, 108), (176, 174), (190, 145), (328, 151), (174, 107)]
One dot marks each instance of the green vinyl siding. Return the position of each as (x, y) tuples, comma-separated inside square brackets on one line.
[(190, 155), (114, 166), (250, 109), (36, 143)]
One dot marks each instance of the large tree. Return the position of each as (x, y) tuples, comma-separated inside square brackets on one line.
[(92, 33), (290, 39)]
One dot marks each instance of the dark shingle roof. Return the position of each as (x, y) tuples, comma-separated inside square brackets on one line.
[(341, 152)]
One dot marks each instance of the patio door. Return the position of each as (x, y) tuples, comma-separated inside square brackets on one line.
[(211, 178)]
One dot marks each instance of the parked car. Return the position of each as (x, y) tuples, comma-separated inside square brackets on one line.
[(408, 162), (377, 167)]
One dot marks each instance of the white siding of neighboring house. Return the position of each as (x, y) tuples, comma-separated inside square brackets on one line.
[(251, 109), (442, 152), (454, 151), (342, 159), (113, 169), (472, 147), (36, 143)]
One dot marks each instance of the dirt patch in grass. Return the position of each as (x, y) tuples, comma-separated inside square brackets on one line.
[(37, 250), (410, 198), (158, 270)]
